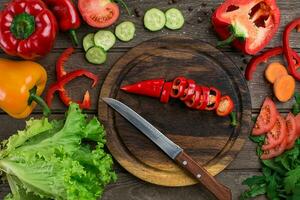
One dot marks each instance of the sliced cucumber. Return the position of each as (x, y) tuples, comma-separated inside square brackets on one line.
[(105, 39), (96, 55), (154, 19), (125, 31), (175, 19), (88, 41)]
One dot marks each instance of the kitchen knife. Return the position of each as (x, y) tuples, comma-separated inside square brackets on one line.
[(171, 149)]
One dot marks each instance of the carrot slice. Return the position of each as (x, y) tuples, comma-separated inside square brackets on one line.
[(284, 88), (274, 71)]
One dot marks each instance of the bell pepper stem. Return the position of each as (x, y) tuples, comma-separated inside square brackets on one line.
[(233, 118), (74, 37), (226, 42), (34, 97)]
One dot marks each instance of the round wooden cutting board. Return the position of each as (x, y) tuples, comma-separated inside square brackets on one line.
[(209, 139)]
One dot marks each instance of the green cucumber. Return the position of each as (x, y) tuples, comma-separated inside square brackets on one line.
[(175, 19), (125, 31), (96, 55), (88, 41), (104, 39), (154, 19)]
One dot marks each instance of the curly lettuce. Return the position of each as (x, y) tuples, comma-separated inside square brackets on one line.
[(62, 160)]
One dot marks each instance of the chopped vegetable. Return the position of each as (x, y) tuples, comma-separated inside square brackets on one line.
[(88, 41), (233, 119), (266, 118), (292, 134), (96, 55), (165, 94), (274, 71), (284, 88), (225, 107), (249, 25), (99, 13), (104, 39), (174, 19), (154, 19), (125, 31), (67, 16), (22, 83), (52, 159), (27, 29)]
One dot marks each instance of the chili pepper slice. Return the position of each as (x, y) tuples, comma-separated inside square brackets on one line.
[(288, 51), (194, 101), (189, 91), (179, 85), (151, 88), (204, 98), (225, 107), (214, 99), (60, 86), (165, 95), (60, 69)]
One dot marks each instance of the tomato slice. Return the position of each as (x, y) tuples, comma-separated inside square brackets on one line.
[(276, 135), (99, 13), (225, 107), (272, 153), (297, 119), (291, 130), (266, 118)]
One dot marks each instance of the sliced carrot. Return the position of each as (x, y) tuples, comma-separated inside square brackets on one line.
[(284, 88), (274, 71)]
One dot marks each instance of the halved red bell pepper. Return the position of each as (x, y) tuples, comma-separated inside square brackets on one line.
[(165, 95), (179, 86), (249, 24), (151, 88)]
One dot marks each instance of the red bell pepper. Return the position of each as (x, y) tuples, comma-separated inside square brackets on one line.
[(27, 29), (151, 88), (67, 16), (165, 95), (60, 86), (179, 86), (288, 51), (249, 24)]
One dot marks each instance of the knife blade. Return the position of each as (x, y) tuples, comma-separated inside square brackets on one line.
[(171, 149)]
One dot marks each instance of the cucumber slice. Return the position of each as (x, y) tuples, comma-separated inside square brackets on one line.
[(105, 39), (125, 31), (175, 19), (96, 55), (154, 19), (88, 41)]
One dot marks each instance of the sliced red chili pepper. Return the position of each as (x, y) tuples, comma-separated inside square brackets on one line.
[(179, 85), (204, 98), (165, 95), (214, 99), (225, 107), (194, 101), (60, 86), (189, 91), (151, 88), (60, 68), (288, 51)]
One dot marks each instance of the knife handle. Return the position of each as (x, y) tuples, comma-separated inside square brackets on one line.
[(218, 190)]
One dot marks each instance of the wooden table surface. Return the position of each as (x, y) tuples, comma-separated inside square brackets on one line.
[(197, 14)]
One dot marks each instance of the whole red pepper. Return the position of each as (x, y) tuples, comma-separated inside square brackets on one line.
[(249, 24), (67, 16), (27, 29)]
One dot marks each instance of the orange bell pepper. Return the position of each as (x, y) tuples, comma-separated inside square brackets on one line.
[(21, 84)]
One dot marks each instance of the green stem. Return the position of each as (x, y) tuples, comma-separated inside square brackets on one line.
[(233, 118), (34, 97), (226, 42), (23, 26), (74, 37)]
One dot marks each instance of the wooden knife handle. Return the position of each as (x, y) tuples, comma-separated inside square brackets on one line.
[(218, 190)]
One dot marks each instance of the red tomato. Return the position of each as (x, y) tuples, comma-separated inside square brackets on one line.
[(225, 107), (297, 118), (276, 135), (266, 118), (99, 13), (278, 150), (291, 131)]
